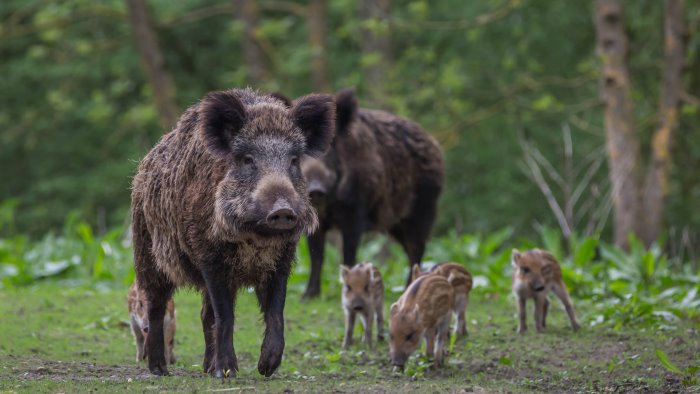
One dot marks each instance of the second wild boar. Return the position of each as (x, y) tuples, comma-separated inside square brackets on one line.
[(383, 173)]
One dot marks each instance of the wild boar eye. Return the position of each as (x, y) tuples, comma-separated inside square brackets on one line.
[(366, 288), (348, 288), (294, 161), (525, 270), (248, 160), (409, 336)]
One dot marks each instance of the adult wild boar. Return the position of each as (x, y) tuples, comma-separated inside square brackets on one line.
[(382, 173), (219, 204)]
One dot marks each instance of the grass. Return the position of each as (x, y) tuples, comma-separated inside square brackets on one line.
[(57, 338)]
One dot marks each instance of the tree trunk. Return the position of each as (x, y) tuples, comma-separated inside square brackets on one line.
[(621, 141), (152, 63), (247, 12), (656, 185), (376, 45), (316, 19)]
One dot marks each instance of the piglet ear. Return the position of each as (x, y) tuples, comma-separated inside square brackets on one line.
[(343, 273), (315, 116), (222, 115), (346, 109), (415, 272), (515, 257), (394, 309)]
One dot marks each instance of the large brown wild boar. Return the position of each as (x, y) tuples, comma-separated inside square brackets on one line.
[(219, 204), (382, 173), (461, 281), (138, 314), (363, 294), (535, 273), (424, 310)]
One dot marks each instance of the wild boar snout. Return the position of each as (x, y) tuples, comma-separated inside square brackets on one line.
[(537, 285), (282, 216), (316, 191)]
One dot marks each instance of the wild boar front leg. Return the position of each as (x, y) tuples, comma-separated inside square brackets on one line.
[(208, 327), (522, 314), (349, 327), (271, 297), (155, 340), (560, 291), (545, 311), (221, 299), (379, 314), (316, 243), (540, 300), (442, 340), (430, 342), (367, 321)]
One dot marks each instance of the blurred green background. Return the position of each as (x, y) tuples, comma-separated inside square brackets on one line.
[(77, 112)]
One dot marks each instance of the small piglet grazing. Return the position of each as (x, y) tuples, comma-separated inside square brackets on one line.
[(424, 310), (138, 312), (363, 294), (461, 281), (535, 273)]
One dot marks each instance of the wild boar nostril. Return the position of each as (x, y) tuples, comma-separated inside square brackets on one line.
[(316, 194), (539, 288), (282, 219), (145, 329), (357, 307)]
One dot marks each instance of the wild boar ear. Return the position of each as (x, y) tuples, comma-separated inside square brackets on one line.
[(222, 116), (515, 257), (346, 109), (281, 97), (344, 273), (370, 269), (394, 309), (315, 116), (415, 272)]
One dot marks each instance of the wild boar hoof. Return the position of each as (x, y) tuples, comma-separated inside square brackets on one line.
[(576, 327), (270, 359), (224, 373), (159, 370), (310, 294)]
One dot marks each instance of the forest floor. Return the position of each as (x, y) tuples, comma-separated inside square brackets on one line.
[(57, 338)]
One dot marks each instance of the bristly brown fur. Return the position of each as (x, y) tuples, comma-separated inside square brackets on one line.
[(202, 200)]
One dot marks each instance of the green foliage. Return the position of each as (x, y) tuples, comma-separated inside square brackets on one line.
[(77, 113), (688, 373)]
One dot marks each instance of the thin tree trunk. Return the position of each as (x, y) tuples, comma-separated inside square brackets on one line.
[(621, 141), (656, 185), (152, 62), (247, 12), (376, 46), (316, 19)]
